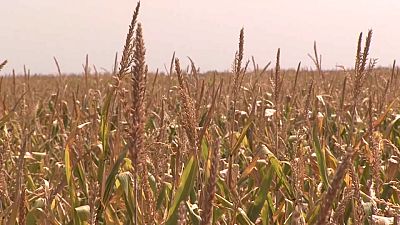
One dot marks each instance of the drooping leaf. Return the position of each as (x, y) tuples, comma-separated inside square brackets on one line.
[(83, 213), (276, 165), (255, 208)]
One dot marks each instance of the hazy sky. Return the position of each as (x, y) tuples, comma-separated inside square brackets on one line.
[(33, 31)]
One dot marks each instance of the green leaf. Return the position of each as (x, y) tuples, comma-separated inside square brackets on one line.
[(126, 185), (321, 159), (82, 179), (194, 217), (242, 136), (265, 211), (255, 208), (242, 218), (382, 117), (225, 203), (104, 121), (68, 166), (36, 216), (36, 213), (186, 183), (83, 212), (276, 165), (392, 124), (312, 216), (164, 193), (110, 182)]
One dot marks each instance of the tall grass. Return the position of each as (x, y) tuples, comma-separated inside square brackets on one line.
[(247, 147)]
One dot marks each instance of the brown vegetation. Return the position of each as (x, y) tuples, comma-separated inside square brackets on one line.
[(255, 146)]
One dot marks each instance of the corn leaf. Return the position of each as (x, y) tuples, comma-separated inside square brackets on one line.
[(186, 182)]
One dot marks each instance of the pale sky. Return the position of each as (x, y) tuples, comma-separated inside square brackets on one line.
[(33, 31)]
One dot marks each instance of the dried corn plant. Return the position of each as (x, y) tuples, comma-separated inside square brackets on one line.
[(186, 147)]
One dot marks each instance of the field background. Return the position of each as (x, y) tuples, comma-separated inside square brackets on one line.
[(259, 145)]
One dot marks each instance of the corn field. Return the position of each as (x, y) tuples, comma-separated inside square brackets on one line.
[(258, 145)]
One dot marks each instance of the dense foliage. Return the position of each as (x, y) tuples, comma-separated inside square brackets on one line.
[(254, 146)]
